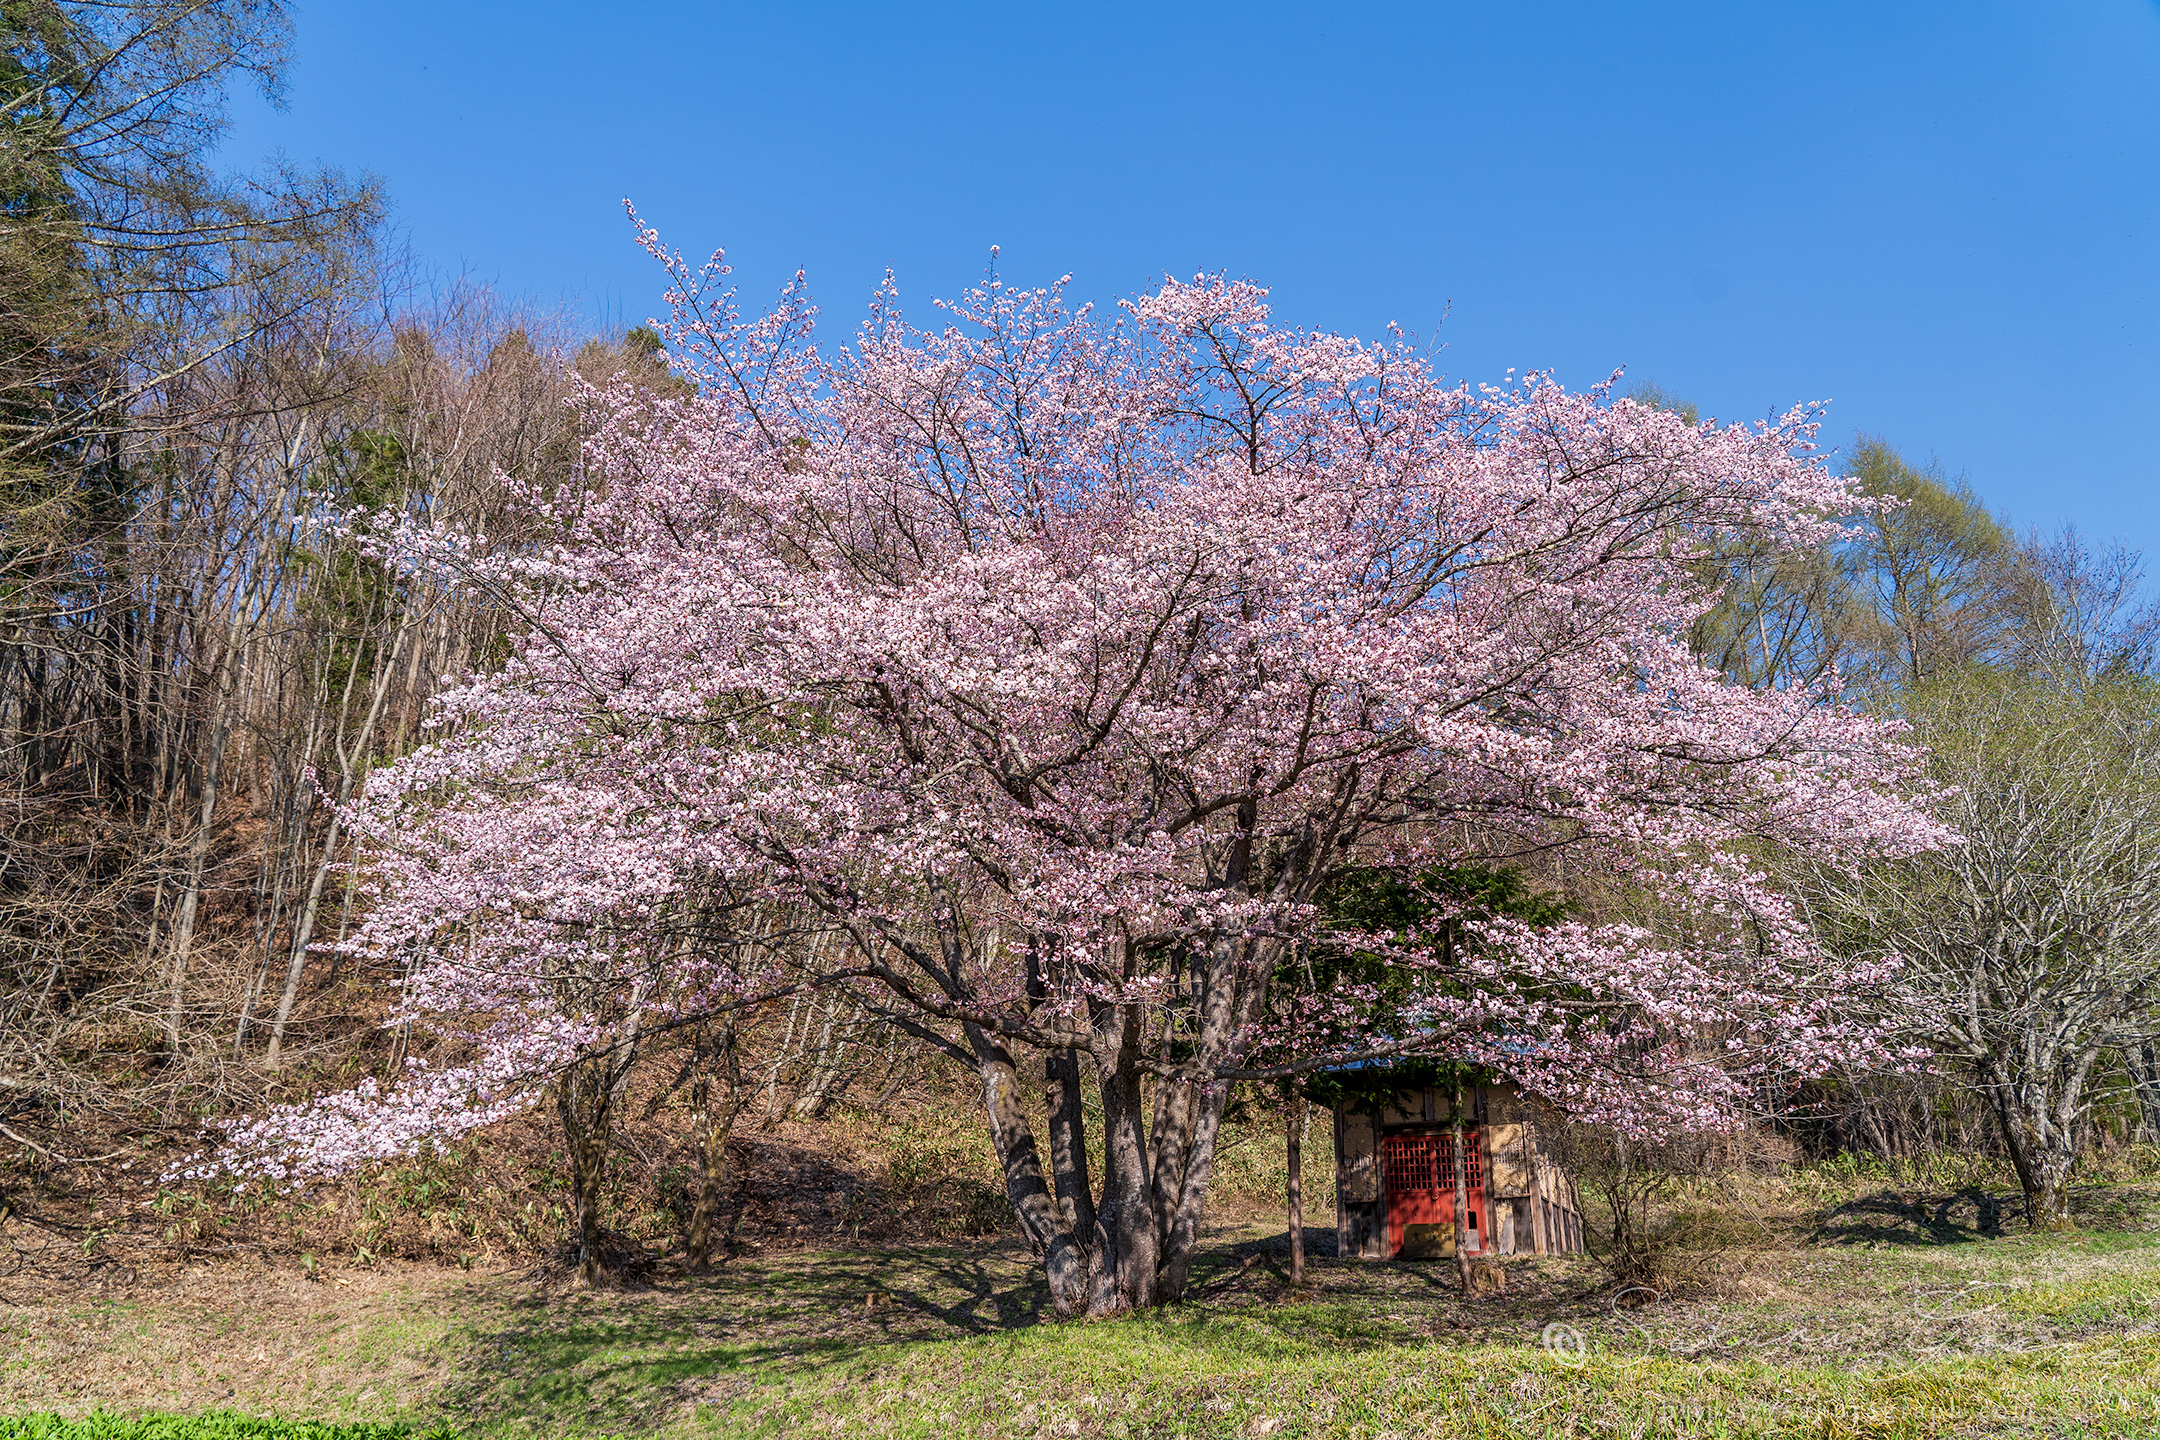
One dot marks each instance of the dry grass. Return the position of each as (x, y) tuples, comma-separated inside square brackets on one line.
[(236, 1334)]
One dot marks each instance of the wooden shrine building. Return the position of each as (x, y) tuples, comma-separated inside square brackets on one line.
[(1395, 1170)]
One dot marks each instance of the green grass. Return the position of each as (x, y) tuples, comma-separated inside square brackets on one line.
[(1178, 1377), (1889, 1322), (212, 1425), (2019, 1337)]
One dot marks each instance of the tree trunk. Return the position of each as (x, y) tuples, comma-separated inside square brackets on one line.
[(303, 934), (1107, 1257), (774, 1072), (1065, 1260), (585, 1098), (830, 1072), (712, 1137), (1878, 1140), (1134, 1251), (1127, 1236), (2040, 1140), (1068, 1139), (584, 1101), (349, 758), (183, 932), (1199, 1170), (714, 1099), (1233, 986), (2142, 1059), (213, 761), (1297, 1115)]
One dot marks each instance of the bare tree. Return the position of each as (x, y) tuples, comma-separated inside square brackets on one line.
[(2089, 614), (196, 671), (2030, 951)]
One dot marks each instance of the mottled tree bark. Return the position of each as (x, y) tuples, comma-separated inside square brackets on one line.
[(1042, 1220), (1068, 1139), (2039, 1128)]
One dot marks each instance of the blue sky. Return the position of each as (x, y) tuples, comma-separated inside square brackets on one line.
[(1945, 218)]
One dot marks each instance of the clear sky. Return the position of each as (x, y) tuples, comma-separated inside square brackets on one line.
[(1943, 217)]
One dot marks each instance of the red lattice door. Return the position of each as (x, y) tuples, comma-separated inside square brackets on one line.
[(1420, 1171)]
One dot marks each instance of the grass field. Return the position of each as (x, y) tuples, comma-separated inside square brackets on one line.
[(213, 1425), (1887, 1318)]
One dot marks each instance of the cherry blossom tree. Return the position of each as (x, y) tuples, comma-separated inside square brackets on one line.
[(1056, 663)]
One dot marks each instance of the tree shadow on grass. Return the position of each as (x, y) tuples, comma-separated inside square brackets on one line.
[(1891, 1217), (630, 1361), (633, 1359)]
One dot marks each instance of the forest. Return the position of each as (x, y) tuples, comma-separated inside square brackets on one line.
[(486, 796)]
